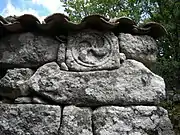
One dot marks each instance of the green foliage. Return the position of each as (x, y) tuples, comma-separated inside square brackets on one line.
[(168, 65), (169, 70), (78, 9)]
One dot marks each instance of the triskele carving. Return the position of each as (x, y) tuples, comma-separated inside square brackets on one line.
[(91, 49)]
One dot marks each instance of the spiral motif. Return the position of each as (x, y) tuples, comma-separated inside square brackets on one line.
[(91, 49)]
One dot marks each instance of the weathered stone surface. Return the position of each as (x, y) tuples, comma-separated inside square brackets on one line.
[(92, 50), (140, 48), (23, 100), (132, 83), (61, 56), (63, 66), (76, 121), (29, 119), (14, 83), (38, 100), (135, 120), (122, 57), (27, 50), (30, 100)]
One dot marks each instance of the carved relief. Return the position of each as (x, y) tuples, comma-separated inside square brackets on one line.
[(92, 50)]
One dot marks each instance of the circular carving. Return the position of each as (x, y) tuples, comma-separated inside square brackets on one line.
[(91, 49)]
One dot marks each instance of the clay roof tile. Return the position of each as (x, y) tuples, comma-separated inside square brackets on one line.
[(59, 24)]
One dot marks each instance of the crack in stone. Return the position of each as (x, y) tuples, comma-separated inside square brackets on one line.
[(61, 119)]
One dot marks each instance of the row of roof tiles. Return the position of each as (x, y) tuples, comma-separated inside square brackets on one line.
[(59, 24)]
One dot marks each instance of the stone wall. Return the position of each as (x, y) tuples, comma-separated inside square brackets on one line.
[(96, 83)]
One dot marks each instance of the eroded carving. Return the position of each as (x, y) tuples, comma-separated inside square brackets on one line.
[(92, 50)]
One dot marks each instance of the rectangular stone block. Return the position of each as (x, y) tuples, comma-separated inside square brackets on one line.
[(29, 119), (131, 84), (76, 121), (134, 120)]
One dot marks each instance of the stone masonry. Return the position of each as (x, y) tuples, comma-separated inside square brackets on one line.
[(94, 83)]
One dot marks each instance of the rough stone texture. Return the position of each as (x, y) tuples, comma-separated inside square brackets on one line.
[(63, 66), (103, 76), (38, 100), (140, 48), (132, 83), (61, 56), (23, 100), (76, 121), (29, 119), (122, 57), (92, 50), (30, 100), (27, 50), (135, 120), (14, 83)]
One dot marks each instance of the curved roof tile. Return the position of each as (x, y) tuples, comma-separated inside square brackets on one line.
[(59, 24)]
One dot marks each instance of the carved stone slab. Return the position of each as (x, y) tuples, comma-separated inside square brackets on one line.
[(92, 50)]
